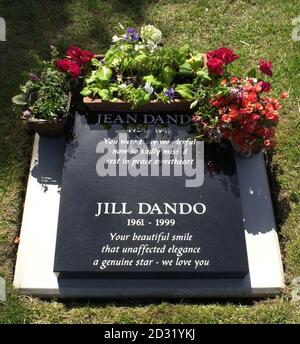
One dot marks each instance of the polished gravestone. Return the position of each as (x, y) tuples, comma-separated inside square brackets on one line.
[(141, 198)]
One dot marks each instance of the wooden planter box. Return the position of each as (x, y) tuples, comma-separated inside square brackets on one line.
[(120, 106)]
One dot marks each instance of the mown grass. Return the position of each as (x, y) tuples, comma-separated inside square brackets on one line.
[(255, 29)]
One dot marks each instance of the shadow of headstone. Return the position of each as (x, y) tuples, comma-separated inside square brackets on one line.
[(48, 167)]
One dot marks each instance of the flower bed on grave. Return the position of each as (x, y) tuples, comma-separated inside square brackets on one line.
[(140, 73)]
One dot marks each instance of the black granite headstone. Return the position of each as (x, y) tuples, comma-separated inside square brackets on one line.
[(142, 198)]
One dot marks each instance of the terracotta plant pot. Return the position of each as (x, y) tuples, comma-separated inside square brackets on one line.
[(120, 106), (46, 128)]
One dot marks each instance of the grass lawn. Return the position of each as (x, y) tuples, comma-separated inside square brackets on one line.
[(254, 29)]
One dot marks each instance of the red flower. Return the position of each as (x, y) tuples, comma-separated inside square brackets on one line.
[(269, 107), (250, 119), (74, 52), (284, 95), (215, 66), (276, 104), (234, 80), (252, 97), (265, 86), (269, 133), (248, 88), (258, 106), (272, 116), (63, 64), (254, 116), (79, 56), (86, 56), (249, 126), (257, 88), (226, 118), (74, 70), (266, 67), (224, 54), (67, 65), (219, 102), (269, 143), (248, 99), (246, 110), (233, 112)]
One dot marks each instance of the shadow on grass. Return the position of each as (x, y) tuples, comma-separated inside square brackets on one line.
[(281, 203), (31, 26), (133, 9)]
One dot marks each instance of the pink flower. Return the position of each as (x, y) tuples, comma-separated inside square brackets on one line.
[(26, 114)]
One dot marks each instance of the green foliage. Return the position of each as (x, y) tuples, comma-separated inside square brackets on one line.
[(45, 96), (131, 64), (167, 75), (252, 73), (19, 99), (186, 91), (137, 96), (186, 69)]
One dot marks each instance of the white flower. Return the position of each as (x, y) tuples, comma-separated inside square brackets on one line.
[(151, 46), (150, 33), (116, 39), (148, 88), (121, 26), (139, 47), (123, 86)]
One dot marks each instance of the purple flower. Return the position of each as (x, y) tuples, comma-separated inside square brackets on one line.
[(26, 114), (131, 35), (33, 77), (170, 93), (237, 92)]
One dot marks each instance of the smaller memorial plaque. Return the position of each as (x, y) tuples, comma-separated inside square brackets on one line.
[(142, 197)]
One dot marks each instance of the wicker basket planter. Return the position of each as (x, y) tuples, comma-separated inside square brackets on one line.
[(46, 128)]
